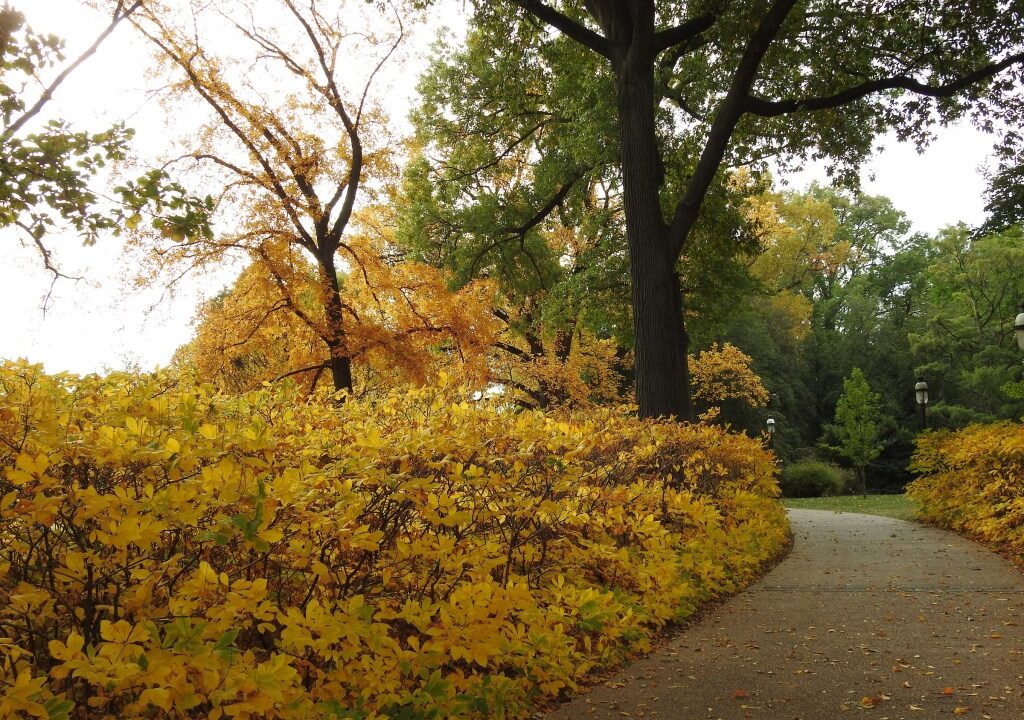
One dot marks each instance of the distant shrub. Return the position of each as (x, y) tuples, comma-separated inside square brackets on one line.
[(812, 478)]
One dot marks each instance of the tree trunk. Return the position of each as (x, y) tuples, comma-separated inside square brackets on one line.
[(662, 374), (340, 362), (341, 369)]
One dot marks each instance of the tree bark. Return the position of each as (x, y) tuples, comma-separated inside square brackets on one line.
[(662, 374), (340, 362)]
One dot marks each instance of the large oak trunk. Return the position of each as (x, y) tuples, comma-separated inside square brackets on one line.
[(662, 374)]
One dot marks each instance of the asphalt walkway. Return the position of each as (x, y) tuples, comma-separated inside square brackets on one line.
[(868, 615)]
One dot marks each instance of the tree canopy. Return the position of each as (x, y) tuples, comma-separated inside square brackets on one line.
[(678, 91)]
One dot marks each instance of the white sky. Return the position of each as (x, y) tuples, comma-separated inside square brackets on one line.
[(103, 322)]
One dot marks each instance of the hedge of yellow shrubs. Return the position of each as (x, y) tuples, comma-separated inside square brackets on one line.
[(168, 552), (972, 481)]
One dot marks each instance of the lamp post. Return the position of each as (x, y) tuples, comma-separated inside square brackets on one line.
[(771, 431), (1018, 327), (921, 392)]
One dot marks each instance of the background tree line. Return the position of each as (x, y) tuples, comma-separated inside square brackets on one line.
[(584, 212)]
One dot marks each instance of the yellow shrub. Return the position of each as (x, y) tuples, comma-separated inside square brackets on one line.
[(166, 551), (972, 481)]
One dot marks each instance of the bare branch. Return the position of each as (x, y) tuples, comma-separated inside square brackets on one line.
[(383, 61)]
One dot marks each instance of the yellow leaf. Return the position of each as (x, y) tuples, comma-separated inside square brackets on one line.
[(74, 561), (62, 651), (156, 696), (271, 535)]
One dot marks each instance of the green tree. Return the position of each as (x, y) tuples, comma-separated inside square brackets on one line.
[(699, 85), (856, 425), (1004, 197), (965, 346), (46, 174), (528, 192)]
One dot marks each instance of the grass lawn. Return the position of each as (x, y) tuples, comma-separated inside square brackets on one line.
[(894, 506)]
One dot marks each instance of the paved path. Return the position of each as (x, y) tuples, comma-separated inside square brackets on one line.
[(913, 622)]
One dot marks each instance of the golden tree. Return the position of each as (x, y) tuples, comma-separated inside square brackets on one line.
[(545, 368), (722, 374), (301, 148), (410, 326)]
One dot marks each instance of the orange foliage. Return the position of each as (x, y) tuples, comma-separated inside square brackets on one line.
[(565, 368), (410, 325), (305, 202)]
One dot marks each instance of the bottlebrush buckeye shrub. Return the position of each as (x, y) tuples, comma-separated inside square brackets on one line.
[(972, 481), (166, 551)]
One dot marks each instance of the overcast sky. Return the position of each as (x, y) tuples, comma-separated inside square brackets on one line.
[(103, 322)]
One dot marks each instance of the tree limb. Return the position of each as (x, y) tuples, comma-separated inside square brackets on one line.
[(321, 366), (770, 108), (568, 27), (519, 231), (684, 32), (120, 13), (196, 82), (729, 112)]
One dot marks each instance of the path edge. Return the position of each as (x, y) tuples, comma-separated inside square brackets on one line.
[(670, 631)]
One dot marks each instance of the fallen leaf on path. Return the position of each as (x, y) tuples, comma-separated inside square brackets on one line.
[(740, 694), (961, 710), (947, 691), (869, 702)]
